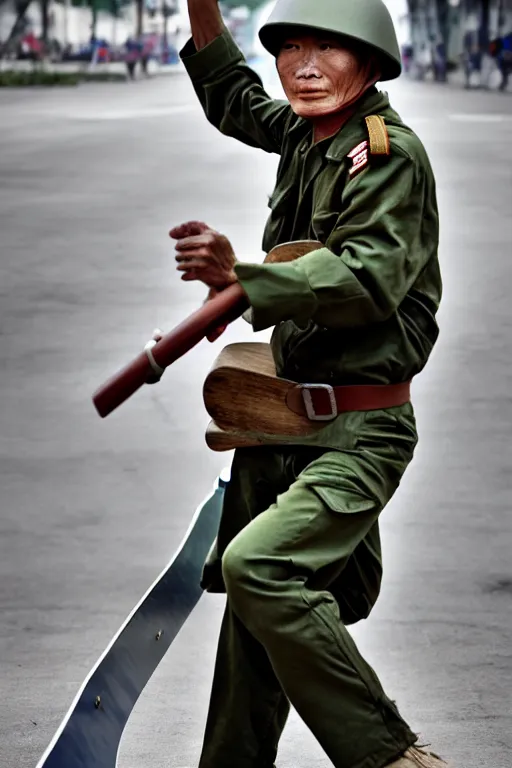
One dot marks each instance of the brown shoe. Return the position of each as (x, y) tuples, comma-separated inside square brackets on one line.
[(415, 757)]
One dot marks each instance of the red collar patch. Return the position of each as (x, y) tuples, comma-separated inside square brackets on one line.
[(360, 158)]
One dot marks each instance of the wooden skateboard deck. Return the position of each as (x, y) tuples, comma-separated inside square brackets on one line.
[(244, 398)]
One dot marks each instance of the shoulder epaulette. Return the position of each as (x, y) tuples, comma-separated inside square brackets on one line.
[(378, 135)]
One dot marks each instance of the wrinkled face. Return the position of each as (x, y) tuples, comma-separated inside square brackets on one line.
[(318, 74)]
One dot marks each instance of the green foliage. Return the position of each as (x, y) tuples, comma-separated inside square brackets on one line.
[(103, 77), (110, 6), (17, 79)]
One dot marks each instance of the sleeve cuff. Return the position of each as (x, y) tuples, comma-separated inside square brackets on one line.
[(325, 271), (214, 58), (276, 292)]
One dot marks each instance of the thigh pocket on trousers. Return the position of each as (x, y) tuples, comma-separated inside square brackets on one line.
[(355, 572), (336, 479), (355, 580), (357, 587)]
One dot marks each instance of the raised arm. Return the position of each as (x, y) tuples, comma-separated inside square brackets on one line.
[(230, 92), (205, 22)]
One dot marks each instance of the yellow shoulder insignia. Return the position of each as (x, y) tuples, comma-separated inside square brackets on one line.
[(378, 135)]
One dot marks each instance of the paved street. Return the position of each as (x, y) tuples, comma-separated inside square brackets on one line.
[(91, 510)]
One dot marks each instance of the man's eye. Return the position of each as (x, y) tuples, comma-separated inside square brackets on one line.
[(325, 46), (289, 46)]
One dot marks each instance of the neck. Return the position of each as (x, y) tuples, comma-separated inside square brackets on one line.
[(328, 125)]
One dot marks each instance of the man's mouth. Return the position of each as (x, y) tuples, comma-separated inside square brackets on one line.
[(310, 93)]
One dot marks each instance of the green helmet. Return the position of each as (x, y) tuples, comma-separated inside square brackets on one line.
[(367, 21)]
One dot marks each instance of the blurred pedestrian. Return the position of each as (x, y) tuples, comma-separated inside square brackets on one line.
[(407, 57), (131, 57), (504, 60), (472, 59), (424, 61), (147, 45), (439, 62)]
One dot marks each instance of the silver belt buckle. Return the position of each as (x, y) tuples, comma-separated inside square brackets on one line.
[(308, 401)]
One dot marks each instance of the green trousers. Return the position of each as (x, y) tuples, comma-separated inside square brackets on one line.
[(298, 554)]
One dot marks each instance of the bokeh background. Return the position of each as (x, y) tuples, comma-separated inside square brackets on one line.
[(103, 148)]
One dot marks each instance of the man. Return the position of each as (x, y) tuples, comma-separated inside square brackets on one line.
[(298, 548), (131, 56), (505, 60)]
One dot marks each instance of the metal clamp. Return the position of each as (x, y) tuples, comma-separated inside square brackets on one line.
[(148, 349), (308, 401)]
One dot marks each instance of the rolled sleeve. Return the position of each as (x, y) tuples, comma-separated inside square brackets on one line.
[(219, 55), (232, 94), (316, 286), (276, 292)]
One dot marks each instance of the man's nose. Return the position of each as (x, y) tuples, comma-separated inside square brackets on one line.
[(308, 69)]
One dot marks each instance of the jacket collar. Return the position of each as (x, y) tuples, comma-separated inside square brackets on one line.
[(372, 102), (354, 131)]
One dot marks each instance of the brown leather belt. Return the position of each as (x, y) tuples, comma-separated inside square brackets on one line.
[(321, 402)]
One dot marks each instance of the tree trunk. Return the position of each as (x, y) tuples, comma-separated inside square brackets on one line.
[(484, 25), (165, 36), (140, 17), (45, 22), (94, 19), (17, 27), (443, 18)]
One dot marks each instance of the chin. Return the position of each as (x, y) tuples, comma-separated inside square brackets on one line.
[(312, 110)]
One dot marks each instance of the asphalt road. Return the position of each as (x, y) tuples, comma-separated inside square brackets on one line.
[(91, 509)]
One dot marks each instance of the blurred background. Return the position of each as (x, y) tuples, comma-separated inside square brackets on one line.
[(104, 148), (465, 40)]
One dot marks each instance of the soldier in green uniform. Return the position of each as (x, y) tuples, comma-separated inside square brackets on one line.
[(298, 549)]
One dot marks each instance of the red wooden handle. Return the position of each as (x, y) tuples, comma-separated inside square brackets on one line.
[(223, 309)]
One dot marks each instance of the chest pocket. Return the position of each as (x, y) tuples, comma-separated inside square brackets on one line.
[(311, 218), (327, 199), (283, 205), (288, 218)]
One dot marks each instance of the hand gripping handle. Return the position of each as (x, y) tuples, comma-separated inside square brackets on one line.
[(221, 310)]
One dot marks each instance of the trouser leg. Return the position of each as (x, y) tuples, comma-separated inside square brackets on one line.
[(277, 572), (248, 708), (505, 68)]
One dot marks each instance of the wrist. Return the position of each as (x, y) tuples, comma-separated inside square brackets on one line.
[(220, 285), (231, 278)]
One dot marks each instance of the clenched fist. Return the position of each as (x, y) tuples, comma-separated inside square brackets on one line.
[(204, 254)]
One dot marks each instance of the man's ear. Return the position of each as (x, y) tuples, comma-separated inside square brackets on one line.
[(376, 71)]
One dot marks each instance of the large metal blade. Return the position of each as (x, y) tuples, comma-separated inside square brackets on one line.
[(90, 733)]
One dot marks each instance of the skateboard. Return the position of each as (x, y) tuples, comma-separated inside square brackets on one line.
[(90, 733)]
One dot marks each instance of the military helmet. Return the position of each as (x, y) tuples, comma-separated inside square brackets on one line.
[(365, 21)]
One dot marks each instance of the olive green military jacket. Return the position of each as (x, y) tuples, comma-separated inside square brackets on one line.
[(361, 309)]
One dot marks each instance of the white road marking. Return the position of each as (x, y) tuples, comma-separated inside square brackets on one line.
[(105, 114), (130, 114), (479, 118)]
